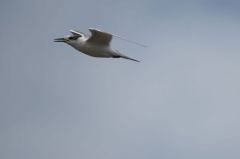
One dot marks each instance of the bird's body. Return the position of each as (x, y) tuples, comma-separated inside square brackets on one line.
[(93, 49), (96, 45)]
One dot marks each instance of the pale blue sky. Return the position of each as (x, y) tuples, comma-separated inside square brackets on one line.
[(182, 101)]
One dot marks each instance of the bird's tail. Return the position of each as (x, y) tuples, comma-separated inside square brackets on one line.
[(120, 55), (128, 58)]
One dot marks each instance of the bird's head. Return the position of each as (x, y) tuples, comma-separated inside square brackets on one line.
[(67, 39), (70, 39)]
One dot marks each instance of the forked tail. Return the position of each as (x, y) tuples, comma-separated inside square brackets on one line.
[(120, 55), (129, 58)]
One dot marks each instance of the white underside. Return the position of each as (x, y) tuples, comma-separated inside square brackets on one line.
[(95, 50)]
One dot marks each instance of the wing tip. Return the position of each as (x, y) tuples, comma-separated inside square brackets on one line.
[(75, 32), (72, 31)]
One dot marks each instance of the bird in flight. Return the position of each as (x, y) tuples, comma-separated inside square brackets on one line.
[(96, 45)]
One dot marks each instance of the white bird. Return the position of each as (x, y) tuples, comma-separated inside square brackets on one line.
[(96, 45)]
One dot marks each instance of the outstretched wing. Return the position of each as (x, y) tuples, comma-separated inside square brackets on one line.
[(77, 33), (130, 41), (99, 37)]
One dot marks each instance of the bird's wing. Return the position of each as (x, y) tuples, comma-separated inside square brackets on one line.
[(130, 41), (77, 33), (99, 37)]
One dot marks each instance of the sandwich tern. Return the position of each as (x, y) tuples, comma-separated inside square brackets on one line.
[(96, 45)]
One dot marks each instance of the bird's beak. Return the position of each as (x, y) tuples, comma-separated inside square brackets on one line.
[(60, 40)]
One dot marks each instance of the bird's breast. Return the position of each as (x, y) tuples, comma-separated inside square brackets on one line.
[(94, 50)]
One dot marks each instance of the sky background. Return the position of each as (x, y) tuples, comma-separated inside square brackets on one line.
[(181, 102)]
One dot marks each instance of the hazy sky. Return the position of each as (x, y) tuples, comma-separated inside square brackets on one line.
[(181, 102)]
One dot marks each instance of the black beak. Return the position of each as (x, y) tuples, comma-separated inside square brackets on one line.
[(60, 40)]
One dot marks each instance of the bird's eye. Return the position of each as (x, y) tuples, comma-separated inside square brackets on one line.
[(73, 38)]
